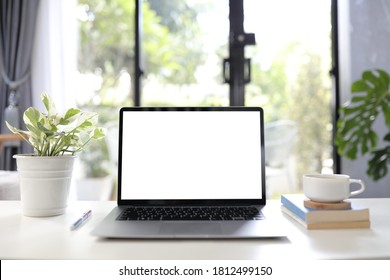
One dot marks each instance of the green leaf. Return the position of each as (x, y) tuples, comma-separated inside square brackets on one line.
[(357, 99), (360, 86), (378, 79), (373, 138), (63, 122), (352, 110), (52, 134), (46, 131), (98, 133), (14, 129), (31, 116), (384, 78), (71, 114), (354, 133), (85, 125), (49, 104), (378, 164), (386, 111), (35, 131), (351, 152)]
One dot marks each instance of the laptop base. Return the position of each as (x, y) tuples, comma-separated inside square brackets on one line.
[(110, 227)]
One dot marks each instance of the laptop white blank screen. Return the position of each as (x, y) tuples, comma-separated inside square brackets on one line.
[(178, 155)]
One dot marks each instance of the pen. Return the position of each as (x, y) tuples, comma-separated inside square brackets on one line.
[(80, 221)]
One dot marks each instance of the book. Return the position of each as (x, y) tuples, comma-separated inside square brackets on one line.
[(327, 225), (356, 217)]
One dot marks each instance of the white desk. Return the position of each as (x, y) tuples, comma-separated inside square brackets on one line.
[(50, 238)]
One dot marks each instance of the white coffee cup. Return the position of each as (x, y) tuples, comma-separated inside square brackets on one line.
[(329, 187)]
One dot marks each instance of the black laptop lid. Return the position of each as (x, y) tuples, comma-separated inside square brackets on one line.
[(191, 156)]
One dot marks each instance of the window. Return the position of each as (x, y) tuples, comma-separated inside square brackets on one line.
[(291, 81), (183, 46), (182, 54)]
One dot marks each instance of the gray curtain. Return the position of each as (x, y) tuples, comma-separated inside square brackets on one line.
[(17, 31)]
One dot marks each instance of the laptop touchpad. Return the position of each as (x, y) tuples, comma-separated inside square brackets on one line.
[(190, 229)]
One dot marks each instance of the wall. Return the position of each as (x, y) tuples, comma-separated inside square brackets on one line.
[(364, 30)]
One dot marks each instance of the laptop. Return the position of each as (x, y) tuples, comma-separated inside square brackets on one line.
[(194, 172)]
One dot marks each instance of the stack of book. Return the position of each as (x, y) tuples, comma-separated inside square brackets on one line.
[(355, 217)]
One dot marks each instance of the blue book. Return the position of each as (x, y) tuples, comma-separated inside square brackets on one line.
[(294, 204)]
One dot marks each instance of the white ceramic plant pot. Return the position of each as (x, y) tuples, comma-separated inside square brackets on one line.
[(44, 184)]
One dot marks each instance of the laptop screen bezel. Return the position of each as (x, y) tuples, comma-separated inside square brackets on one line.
[(192, 202)]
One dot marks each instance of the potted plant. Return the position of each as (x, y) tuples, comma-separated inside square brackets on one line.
[(355, 127), (45, 176)]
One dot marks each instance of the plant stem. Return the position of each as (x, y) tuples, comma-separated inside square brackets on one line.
[(57, 147), (43, 150)]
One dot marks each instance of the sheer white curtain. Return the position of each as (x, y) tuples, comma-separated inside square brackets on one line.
[(54, 63)]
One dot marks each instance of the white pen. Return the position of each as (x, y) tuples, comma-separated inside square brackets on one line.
[(80, 221)]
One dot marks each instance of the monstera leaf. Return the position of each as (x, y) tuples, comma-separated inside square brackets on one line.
[(355, 133), (378, 164)]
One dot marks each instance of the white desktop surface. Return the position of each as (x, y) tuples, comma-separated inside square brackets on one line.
[(24, 237)]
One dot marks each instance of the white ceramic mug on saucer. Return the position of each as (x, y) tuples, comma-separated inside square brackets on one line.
[(330, 188)]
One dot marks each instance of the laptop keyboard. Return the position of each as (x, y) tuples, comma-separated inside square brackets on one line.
[(190, 213)]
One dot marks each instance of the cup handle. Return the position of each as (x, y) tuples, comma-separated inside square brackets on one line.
[(359, 191)]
